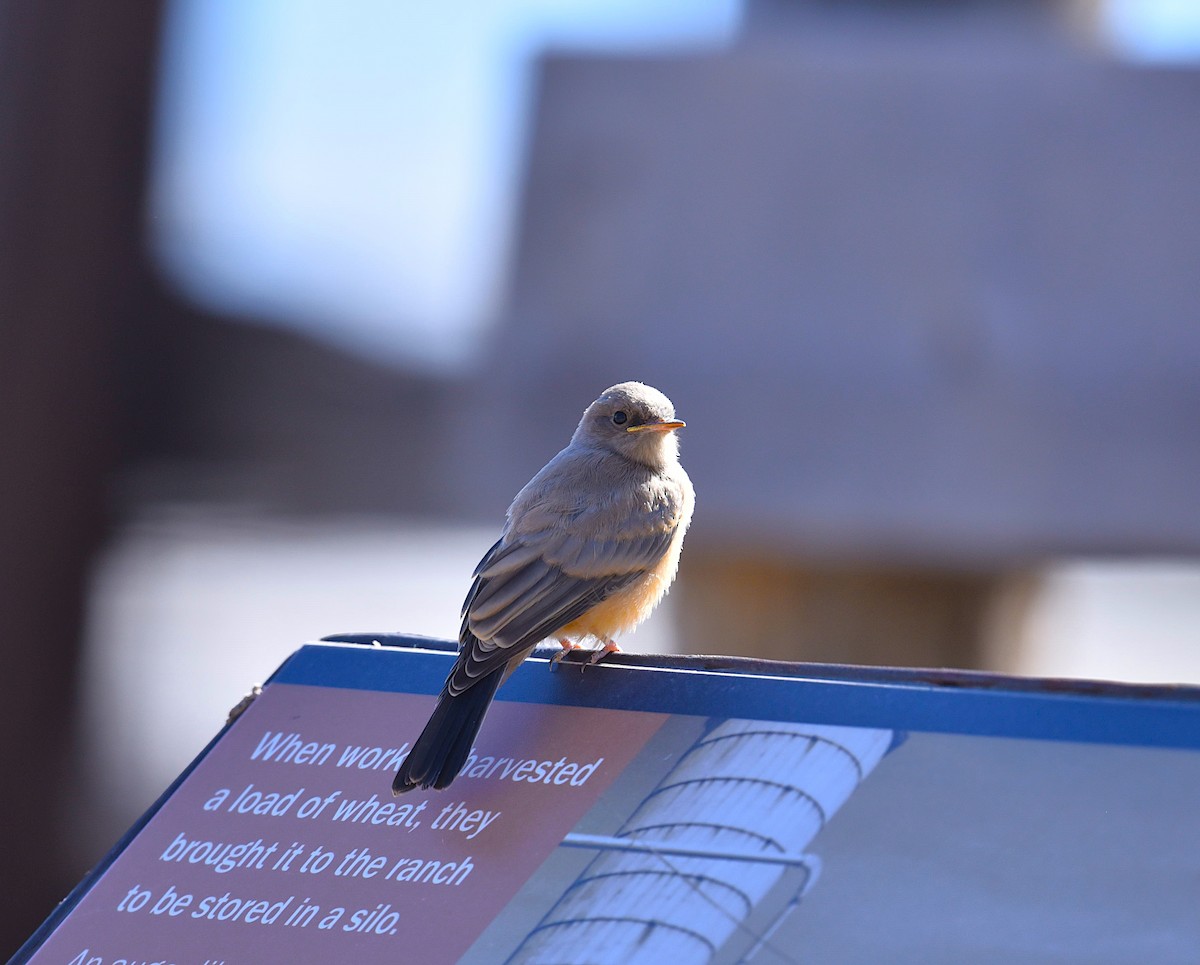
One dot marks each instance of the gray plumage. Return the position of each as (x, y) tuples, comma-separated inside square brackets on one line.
[(590, 545)]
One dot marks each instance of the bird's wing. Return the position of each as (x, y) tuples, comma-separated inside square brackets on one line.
[(528, 587)]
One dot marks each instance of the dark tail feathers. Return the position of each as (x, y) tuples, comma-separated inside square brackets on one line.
[(441, 750)]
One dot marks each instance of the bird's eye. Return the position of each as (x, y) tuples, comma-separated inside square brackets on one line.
[(620, 418)]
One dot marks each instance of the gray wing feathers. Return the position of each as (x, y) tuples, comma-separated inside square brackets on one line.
[(599, 557), (509, 612), (505, 557), (506, 604), (557, 606), (501, 600), (604, 557), (565, 549)]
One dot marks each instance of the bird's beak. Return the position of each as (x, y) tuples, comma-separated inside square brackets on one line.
[(658, 426)]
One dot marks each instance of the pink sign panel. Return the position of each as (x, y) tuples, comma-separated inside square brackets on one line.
[(285, 843)]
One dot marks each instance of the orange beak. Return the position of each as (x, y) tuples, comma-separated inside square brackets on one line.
[(658, 426)]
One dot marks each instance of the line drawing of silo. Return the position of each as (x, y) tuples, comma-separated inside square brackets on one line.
[(706, 845)]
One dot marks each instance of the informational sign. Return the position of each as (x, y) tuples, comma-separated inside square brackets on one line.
[(640, 815)]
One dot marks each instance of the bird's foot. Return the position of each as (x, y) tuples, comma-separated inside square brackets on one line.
[(567, 647), (601, 652)]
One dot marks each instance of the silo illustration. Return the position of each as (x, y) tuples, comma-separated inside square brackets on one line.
[(706, 845)]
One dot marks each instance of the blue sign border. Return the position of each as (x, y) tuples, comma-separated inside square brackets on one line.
[(952, 702)]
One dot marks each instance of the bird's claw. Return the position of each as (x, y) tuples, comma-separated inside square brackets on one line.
[(567, 647), (601, 652)]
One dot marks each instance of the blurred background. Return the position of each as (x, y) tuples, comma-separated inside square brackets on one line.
[(295, 296)]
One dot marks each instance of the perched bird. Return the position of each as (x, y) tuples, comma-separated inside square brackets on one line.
[(590, 546)]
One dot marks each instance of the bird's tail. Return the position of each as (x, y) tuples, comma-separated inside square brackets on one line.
[(441, 750)]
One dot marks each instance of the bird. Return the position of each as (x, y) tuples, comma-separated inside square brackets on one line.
[(589, 547)]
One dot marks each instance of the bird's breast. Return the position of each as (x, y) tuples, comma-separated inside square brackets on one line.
[(629, 606)]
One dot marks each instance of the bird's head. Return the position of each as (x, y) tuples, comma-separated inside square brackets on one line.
[(634, 420)]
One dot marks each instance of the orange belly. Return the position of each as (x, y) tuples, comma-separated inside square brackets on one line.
[(628, 607)]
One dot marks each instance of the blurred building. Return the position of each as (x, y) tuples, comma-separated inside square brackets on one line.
[(919, 276)]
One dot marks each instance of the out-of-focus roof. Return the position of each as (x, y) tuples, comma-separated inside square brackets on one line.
[(913, 305)]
